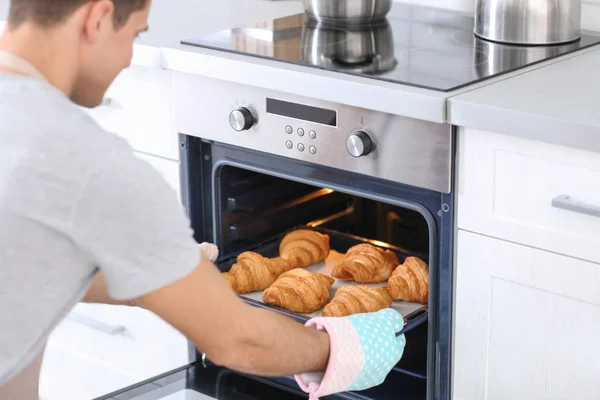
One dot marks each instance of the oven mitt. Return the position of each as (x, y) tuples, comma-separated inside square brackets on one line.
[(363, 350), (210, 251)]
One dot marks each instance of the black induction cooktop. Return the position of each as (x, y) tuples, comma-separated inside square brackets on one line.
[(416, 46)]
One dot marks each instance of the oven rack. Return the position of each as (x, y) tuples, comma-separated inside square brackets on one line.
[(414, 314)]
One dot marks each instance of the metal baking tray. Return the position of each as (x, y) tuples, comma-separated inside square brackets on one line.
[(414, 314)]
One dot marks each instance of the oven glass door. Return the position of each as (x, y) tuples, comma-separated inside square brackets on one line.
[(195, 382)]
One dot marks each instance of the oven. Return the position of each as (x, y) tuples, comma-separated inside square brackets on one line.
[(256, 164)]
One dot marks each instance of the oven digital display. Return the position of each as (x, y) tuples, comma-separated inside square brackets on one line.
[(302, 112)]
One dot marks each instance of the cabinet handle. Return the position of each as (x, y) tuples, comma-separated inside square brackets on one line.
[(111, 103), (566, 202), (96, 325)]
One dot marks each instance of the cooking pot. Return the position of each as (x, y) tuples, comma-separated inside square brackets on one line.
[(347, 11), (364, 49), (528, 22)]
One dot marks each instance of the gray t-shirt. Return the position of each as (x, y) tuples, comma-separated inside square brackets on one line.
[(74, 200)]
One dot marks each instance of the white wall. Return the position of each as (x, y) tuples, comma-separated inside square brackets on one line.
[(590, 18)]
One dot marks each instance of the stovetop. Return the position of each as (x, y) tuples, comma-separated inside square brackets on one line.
[(416, 46)]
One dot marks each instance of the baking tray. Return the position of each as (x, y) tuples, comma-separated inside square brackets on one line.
[(414, 313)]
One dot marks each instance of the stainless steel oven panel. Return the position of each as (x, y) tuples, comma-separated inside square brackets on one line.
[(404, 150)]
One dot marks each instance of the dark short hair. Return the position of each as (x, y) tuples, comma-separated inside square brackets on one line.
[(50, 12)]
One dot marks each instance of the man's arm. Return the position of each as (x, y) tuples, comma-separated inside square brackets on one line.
[(98, 290), (233, 334)]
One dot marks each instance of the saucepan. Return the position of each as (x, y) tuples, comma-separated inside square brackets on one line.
[(348, 11), (528, 22)]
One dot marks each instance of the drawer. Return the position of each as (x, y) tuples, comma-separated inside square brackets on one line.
[(66, 375), (138, 106), (532, 193), (128, 341)]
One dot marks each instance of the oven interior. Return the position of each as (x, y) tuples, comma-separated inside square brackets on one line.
[(253, 210)]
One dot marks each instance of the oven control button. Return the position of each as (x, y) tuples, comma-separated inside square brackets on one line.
[(241, 119), (300, 147), (289, 130), (359, 144), (289, 144), (312, 149), (312, 134), (300, 132)]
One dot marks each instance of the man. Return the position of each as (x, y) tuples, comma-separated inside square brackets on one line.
[(82, 219)]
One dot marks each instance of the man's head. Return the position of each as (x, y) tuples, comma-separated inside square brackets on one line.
[(99, 35)]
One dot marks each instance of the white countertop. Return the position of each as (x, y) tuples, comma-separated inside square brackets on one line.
[(558, 104), (553, 101)]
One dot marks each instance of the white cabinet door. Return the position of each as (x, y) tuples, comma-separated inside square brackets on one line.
[(138, 107), (167, 168), (527, 323), (527, 192), (84, 361)]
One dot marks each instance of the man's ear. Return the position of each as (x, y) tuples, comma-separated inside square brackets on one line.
[(98, 17)]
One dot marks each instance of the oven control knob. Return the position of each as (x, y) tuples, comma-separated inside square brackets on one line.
[(241, 119), (359, 144)]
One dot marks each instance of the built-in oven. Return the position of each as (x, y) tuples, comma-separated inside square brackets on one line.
[(257, 164)]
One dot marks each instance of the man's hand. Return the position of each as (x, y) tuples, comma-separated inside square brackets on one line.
[(233, 334)]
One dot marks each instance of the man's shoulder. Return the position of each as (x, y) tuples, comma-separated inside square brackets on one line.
[(36, 108)]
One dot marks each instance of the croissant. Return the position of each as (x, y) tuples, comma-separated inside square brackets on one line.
[(410, 281), (253, 272), (359, 299), (299, 290), (365, 263), (304, 247)]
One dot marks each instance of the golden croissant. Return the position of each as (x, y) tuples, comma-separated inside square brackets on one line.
[(299, 290), (349, 300), (253, 272), (304, 247), (410, 281), (365, 263)]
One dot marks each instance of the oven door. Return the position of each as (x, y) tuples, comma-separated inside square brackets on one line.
[(196, 382)]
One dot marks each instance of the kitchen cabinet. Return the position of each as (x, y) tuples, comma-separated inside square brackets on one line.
[(138, 106), (527, 323), (526, 317), (538, 194), (168, 169), (99, 349)]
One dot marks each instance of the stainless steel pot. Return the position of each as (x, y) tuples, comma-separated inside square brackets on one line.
[(367, 49), (347, 11), (528, 22)]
